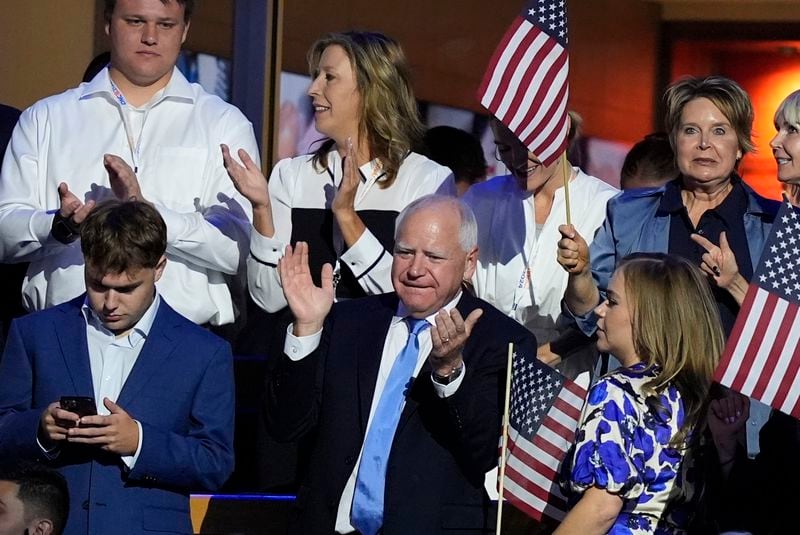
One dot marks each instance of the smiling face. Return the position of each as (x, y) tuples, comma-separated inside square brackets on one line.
[(429, 263), (706, 144), (786, 150), (531, 175), (335, 96), (121, 299), (614, 324), (146, 38)]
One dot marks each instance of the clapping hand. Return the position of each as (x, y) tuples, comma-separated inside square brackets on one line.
[(71, 206), (123, 180), (309, 303), (345, 200), (449, 336), (247, 179)]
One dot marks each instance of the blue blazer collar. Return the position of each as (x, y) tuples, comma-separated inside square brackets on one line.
[(162, 341), (70, 329)]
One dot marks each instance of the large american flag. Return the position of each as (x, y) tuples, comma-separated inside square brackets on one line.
[(544, 412), (525, 85), (762, 357)]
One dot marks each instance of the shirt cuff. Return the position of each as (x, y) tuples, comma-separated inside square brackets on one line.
[(365, 254), (265, 250), (130, 460), (41, 224), (175, 221), (48, 454), (445, 391), (299, 347)]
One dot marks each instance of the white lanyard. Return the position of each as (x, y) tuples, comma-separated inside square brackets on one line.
[(135, 146), (525, 276)]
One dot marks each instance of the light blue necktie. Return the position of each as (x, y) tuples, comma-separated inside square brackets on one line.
[(367, 513)]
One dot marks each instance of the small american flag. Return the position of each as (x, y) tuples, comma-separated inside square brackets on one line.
[(762, 357), (544, 413), (525, 85)]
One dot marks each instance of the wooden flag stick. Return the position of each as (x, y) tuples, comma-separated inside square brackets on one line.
[(567, 170), (504, 440)]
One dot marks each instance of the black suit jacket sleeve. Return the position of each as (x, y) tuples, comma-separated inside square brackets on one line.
[(294, 391)]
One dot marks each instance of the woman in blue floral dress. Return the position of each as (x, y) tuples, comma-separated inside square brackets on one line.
[(626, 472)]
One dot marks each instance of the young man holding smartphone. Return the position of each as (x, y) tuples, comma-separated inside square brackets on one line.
[(162, 387)]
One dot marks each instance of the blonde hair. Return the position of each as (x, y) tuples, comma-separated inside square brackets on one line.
[(388, 118), (725, 94), (676, 327), (788, 110)]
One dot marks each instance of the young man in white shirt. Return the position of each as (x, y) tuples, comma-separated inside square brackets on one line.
[(138, 130)]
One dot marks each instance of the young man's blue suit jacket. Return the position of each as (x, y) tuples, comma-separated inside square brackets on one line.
[(181, 391)]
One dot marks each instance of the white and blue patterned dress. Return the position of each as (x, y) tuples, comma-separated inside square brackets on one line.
[(622, 446)]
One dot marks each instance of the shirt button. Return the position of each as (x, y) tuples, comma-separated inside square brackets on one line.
[(701, 232), (85, 505)]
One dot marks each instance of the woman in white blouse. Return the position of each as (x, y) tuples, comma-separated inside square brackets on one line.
[(342, 199)]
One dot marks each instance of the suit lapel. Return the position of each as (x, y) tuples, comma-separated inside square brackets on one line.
[(70, 329), (369, 351), (158, 346)]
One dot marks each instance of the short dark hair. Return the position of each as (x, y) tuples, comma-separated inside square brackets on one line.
[(457, 149), (650, 162), (122, 235), (188, 8), (42, 490)]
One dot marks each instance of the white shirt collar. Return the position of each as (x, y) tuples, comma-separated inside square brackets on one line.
[(370, 171), (402, 311), (178, 86), (140, 330)]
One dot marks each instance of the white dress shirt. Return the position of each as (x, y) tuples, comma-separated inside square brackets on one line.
[(174, 143), (112, 358), (517, 270), (299, 347)]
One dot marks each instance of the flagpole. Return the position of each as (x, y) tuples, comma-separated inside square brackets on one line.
[(504, 442), (567, 170)]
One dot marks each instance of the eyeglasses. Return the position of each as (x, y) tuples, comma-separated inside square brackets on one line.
[(512, 154)]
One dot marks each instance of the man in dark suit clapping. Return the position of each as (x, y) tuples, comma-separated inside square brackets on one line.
[(402, 392)]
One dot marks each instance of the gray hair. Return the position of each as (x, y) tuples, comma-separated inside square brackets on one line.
[(468, 227)]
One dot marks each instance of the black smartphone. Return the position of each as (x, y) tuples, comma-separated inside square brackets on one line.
[(80, 405)]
